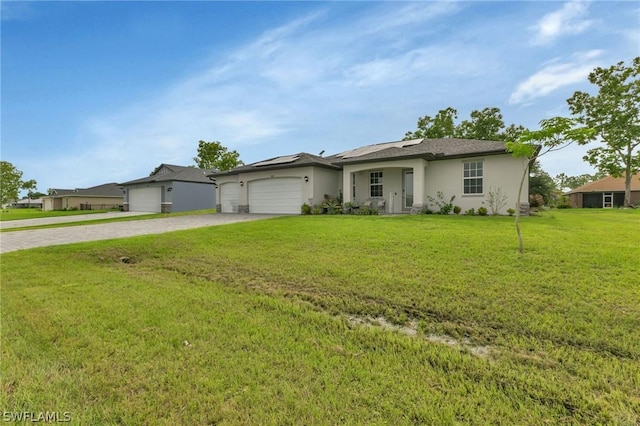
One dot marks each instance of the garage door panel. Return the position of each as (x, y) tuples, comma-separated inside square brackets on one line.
[(229, 197), (145, 200), (277, 195)]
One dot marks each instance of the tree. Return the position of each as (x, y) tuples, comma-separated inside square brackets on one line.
[(212, 155), (554, 134), (11, 182), (441, 126), (486, 124), (615, 115), (30, 186), (541, 183)]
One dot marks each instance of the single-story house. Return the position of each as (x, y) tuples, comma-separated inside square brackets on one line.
[(604, 193), (100, 197), (26, 202), (394, 177), (170, 188)]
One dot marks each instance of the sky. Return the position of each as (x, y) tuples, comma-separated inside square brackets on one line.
[(96, 92)]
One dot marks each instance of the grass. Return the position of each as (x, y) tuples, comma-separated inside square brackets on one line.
[(116, 218), (248, 323), (25, 213)]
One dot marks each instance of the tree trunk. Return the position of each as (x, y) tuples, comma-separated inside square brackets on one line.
[(520, 240), (627, 182)]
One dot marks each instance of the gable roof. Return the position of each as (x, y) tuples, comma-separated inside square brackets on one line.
[(609, 183), (283, 162), (104, 190), (173, 173)]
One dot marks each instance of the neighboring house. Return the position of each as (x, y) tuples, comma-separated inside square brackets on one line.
[(395, 177), (28, 203), (604, 193), (170, 188), (100, 197)]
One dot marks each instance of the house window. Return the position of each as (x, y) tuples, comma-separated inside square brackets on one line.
[(473, 177), (375, 182), (353, 186)]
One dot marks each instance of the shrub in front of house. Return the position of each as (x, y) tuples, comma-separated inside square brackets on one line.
[(536, 200), (457, 209), (470, 212), (482, 211)]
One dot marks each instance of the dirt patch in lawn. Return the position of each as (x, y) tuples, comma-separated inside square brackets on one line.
[(411, 329)]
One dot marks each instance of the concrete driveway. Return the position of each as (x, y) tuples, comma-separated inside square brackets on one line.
[(20, 240)]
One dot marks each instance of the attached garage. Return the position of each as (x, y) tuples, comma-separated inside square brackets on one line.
[(145, 199), (229, 197), (276, 195)]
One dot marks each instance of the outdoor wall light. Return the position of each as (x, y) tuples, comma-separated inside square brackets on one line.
[(241, 183), (169, 189), (306, 178)]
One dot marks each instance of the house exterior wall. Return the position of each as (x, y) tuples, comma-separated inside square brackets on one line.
[(324, 181), (499, 172), (321, 181), (72, 202), (186, 196)]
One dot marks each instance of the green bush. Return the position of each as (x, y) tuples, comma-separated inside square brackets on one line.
[(511, 212), (306, 209), (426, 210), (470, 212), (457, 209), (482, 211)]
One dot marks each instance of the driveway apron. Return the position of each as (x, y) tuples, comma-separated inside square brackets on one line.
[(26, 239)]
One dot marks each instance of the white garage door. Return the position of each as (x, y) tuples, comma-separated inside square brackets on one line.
[(229, 197), (145, 200), (277, 195)]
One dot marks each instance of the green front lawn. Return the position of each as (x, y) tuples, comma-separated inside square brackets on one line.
[(266, 323), (18, 214)]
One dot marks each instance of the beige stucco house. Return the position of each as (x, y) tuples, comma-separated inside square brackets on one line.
[(101, 197), (396, 177)]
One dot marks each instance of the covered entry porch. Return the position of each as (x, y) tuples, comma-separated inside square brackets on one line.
[(391, 186)]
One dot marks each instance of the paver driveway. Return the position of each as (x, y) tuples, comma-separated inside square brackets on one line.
[(20, 240)]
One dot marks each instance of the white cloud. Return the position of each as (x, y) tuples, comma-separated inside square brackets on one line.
[(554, 76), (568, 20), (291, 75)]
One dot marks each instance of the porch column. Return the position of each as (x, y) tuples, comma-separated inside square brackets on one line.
[(346, 185), (418, 187)]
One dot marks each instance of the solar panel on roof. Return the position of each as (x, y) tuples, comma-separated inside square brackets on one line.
[(364, 150), (278, 160)]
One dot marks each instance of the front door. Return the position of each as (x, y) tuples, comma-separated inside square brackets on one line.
[(408, 189)]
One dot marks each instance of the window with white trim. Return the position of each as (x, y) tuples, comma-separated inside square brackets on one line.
[(473, 178), (375, 184)]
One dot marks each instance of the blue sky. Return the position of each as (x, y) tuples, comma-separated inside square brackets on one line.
[(96, 92)]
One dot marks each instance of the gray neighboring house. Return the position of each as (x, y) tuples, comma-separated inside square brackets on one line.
[(170, 188)]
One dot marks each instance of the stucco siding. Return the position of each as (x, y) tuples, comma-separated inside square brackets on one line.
[(325, 182), (187, 196), (499, 172)]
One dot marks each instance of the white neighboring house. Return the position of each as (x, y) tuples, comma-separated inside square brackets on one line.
[(395, 177)]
